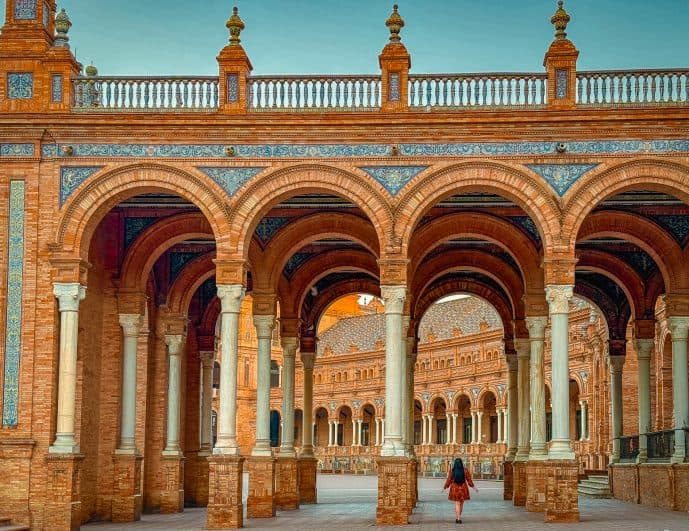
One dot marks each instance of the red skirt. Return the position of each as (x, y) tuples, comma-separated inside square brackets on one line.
[(459, 492)]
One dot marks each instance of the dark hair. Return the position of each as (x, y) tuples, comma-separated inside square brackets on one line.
[(458, 471)]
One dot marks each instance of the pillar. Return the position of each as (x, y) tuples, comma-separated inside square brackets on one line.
[(500, 416), (207, 359), (536, 327), (431, 438), (558, 297), (679, 328), (225, 466), (395, 361), (512, 407), (230, 296), (307, 462), (474, 434), (355, 425), (616, 365), (172, 496), (644, 348), (523, 397), (582, 429), (479, 423), (286, 467), (68, 295), (264, 333)]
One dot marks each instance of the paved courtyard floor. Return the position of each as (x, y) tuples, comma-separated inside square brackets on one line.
[(349, 503)]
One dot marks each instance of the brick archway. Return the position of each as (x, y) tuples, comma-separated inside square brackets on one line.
[(192, 276), (256, 199), (92, 200), (332, 293), (419, 196), (646, 174)]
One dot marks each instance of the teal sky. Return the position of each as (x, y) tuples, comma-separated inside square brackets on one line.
[(174, 37)]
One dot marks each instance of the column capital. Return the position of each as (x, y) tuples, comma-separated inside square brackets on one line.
[(207, 357), (616, 363), (131, 324), (644, 348), (558, 297), (231, 296), (174, 344), (289, 346), (264, 326), (583, 403), (679, 326), (523, 347), (393, 298), (307, 359), (536, 327), (69, 294)]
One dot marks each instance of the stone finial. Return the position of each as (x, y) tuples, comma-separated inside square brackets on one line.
[(62, 25), (91, 71), (235, 25), (560, 20), (395, 23)]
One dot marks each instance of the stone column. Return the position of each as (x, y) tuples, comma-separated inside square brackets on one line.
[(512, 407), (289, 350), (536, 327), (207, 359), (644, 348), (523, 353), (230, 296), (395, 361), (172, 496), (264, 333), (582, 429), (355, 423), (558, 297), (330, 433), (474, 434), (479, 423), (430, 430), (307, 431), (499, 425), (679, 328), (68, 295), (616, 365), (404, 386)]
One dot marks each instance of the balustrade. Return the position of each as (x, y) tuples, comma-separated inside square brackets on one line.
[(629, 447), (661, 444), (642, 87), (477, 90)]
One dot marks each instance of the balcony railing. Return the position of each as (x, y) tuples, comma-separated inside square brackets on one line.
[(146, 93), (354, 93), (629, 448), (477, 90), (358, 93), (643, 87), (661, 444)]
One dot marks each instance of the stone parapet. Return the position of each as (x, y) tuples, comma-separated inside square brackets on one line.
[(286, 483), (261, 500), (393, 487), (172, 495), (562, 496), (307, 480), (225, 482), (127, 501), (662, 485)]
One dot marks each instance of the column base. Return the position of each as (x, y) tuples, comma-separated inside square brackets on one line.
[(225, 479), (261, 500), (172, 495), (536, 479), (411, 480), (127, 501), (562, 497), (307, 480), (508, 480), (63, 511), (198, 491), (393, 487), (286, 484), (519, 483)]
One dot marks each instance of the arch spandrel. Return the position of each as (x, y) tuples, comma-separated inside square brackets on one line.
[(534, 196), (588, 192), (89, 203), (190, 279), (256, 198)]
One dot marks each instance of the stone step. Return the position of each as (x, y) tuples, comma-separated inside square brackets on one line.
[(14, 528), (593, 493), (596, 481)]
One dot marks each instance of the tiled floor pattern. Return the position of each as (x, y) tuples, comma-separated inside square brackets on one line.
[(348, 503)]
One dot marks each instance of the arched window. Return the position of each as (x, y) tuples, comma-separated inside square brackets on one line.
[(274, 374)]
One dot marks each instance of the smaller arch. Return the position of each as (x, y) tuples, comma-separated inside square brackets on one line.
[(192, 276)]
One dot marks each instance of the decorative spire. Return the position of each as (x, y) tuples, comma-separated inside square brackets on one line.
[(62, 25), (235, 25), (395, 23), (91, 71), (560, 20)]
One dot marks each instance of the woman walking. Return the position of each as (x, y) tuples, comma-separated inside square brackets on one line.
[(459, 481)]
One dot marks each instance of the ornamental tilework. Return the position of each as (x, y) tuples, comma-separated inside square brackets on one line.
[(56, 88), (269, 226), (19, 85), (231, 179), (526, 223), (331, 151), (13, 319), (561, 176), (561, 82), (393, 178), (475, 392), (133, 226), (46, 16), (295, 261), (678, 226), (16, 150), (25, 9), (178, 260), (232, 88), (394, 93), (71, 177)]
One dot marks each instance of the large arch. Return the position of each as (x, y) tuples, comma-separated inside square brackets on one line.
[(530, 193), (84, 210), (644, 174), (311, 316), (255, 199)]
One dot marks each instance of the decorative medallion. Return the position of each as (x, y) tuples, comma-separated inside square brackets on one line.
[(16, 150), (269, 226), (678, 226), (25, 9), (356, 404), (561, 176), (450, 395), (393, 178), (230, 179), (56, 88), (13, 315), (380, 402), (333, 405), (475, 392), (19, 85), (426, 396), (501, 389), (72, 176)]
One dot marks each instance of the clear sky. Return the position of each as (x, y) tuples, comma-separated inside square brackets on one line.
[(175, 37)]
